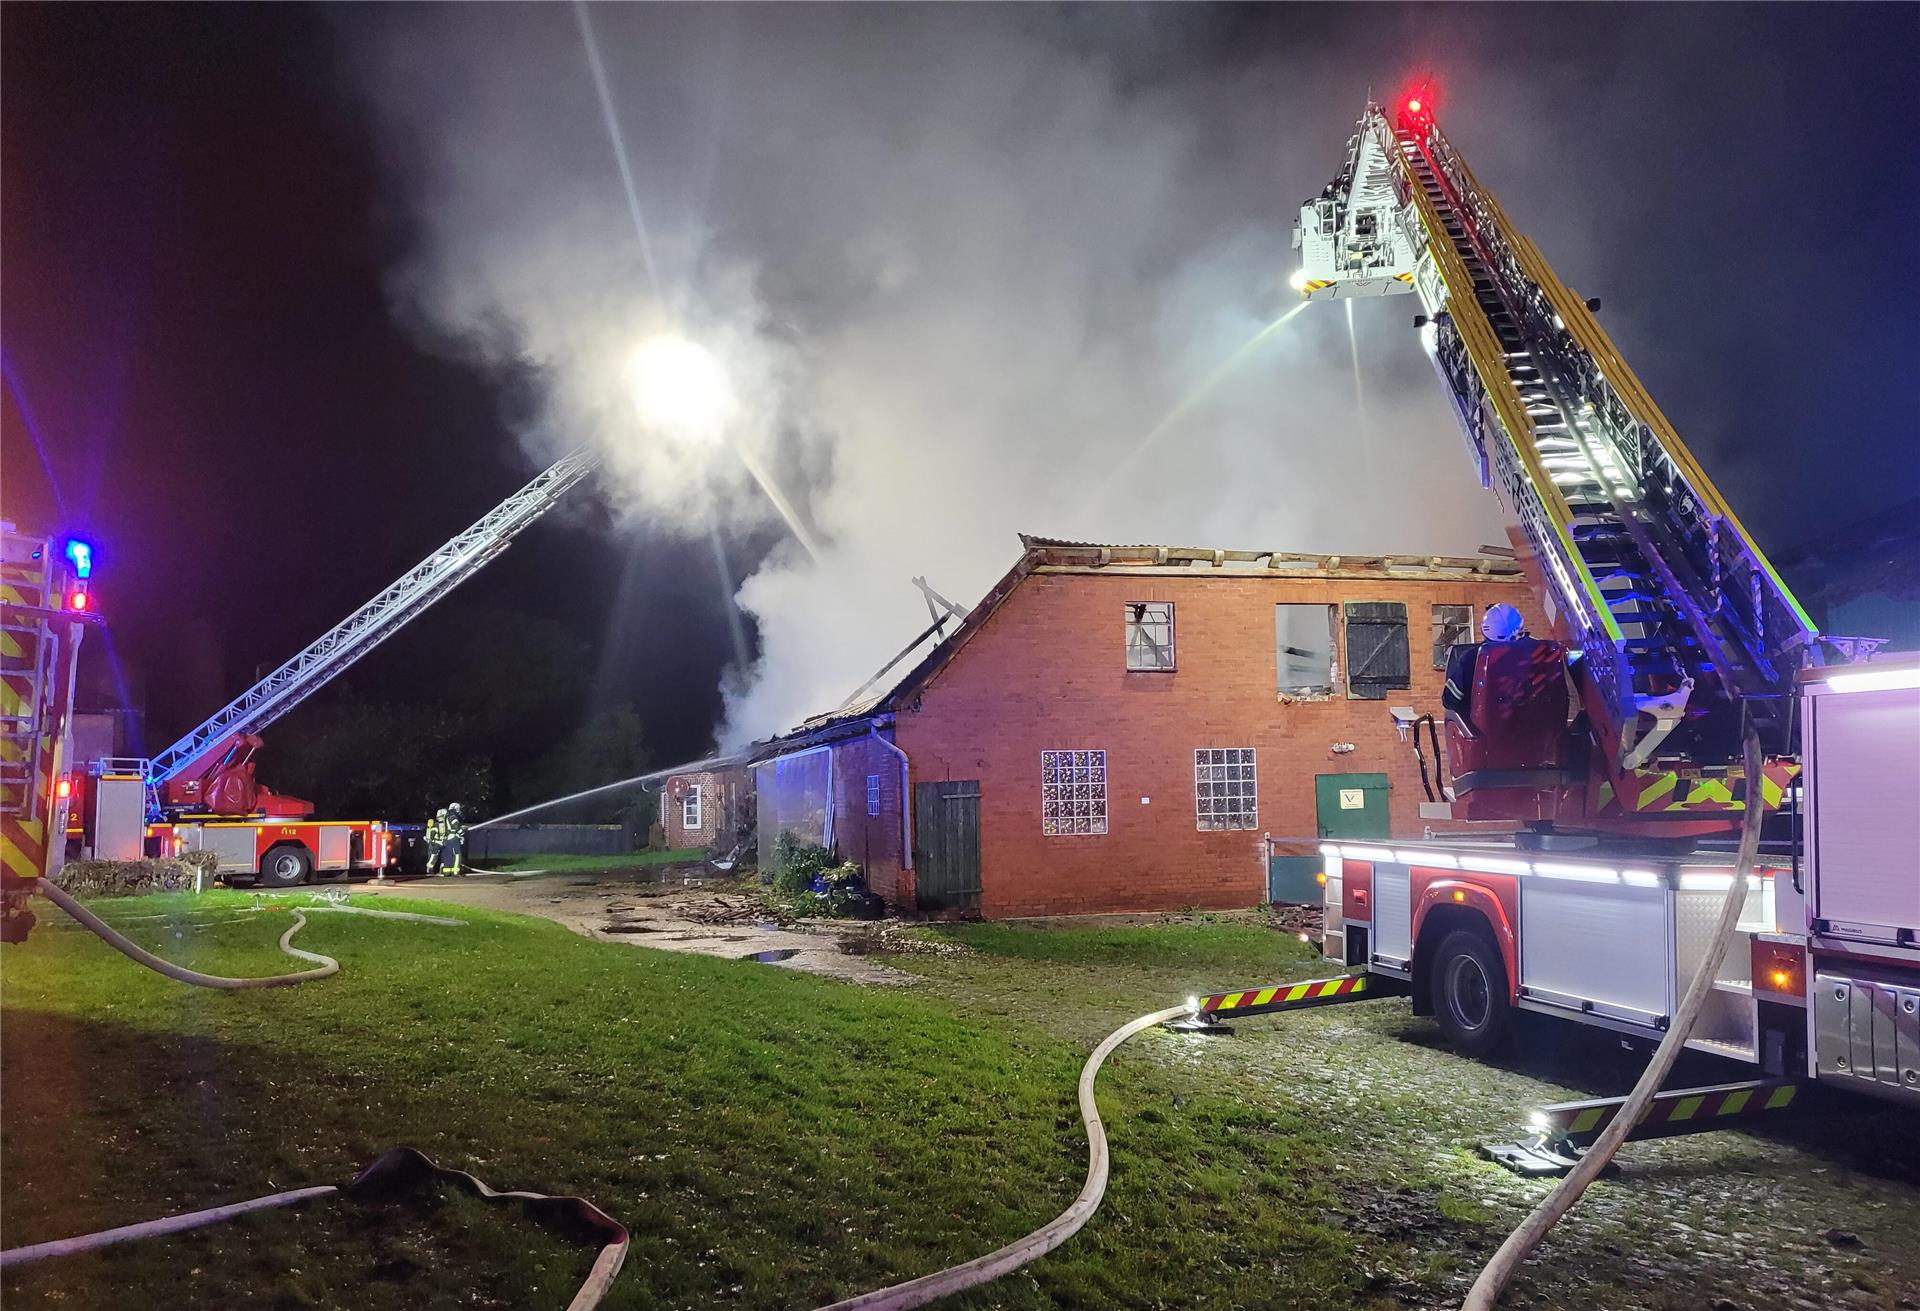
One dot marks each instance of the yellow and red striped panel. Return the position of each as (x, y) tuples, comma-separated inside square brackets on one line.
[(1281, 995), (1675, 1111)]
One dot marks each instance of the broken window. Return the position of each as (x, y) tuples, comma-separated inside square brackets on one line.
[(1073, 792), (1377, 657), (1303, 635), (1452, 626), (1226, 794), (1150, 635), (873, 794), (690, 808)]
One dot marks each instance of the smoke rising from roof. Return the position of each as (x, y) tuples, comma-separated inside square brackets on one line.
[(959, 264)]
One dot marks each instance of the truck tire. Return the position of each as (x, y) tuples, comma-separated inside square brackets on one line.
[(1470, 1000), (286, 866)]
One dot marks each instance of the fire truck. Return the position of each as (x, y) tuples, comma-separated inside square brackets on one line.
[(46, 606), (200, 794), (1612, 749)]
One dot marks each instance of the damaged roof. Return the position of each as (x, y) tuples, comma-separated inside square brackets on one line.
[(1052, 555)]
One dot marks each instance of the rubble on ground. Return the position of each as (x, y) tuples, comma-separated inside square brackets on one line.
[(135, 878), (896, 938)]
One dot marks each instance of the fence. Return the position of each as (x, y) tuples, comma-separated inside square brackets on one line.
[(556, 839)]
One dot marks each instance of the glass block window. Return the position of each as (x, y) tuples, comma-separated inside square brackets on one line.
[(1226, 794), (1073, 792), (1150, 635), (873, 794)]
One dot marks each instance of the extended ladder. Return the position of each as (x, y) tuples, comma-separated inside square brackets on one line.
[(377, 620), (1676, 611)]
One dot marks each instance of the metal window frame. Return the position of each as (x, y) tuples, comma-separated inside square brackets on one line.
[(1433, 616), (1144, 625), (873, 795), (1251, 793), (1051, 822)]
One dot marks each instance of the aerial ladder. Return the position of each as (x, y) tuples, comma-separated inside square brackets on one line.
[(1676, 630), (1682, 691), (210, 769)]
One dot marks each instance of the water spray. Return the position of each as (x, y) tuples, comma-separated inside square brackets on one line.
[(1218, 374)]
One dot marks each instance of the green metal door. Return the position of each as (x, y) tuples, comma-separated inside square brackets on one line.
[(946, 845), (1351, 805)]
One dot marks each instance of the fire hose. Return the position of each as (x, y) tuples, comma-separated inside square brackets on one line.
[(394, 1171), (1499, 1271), (326, 965), (406, 1164)]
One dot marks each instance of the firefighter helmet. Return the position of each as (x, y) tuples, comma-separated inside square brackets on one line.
[(1502, 623)]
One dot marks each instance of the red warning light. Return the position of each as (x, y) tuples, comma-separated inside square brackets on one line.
[(76, 600), (1413, 106), (63, 789)]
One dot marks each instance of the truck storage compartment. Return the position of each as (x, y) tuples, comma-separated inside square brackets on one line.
[(1863, 821)]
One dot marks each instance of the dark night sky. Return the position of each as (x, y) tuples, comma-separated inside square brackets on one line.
[(196, 323), (197, 330)]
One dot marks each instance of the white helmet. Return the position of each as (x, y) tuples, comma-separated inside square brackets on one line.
[(440, 813), (1502, 623), (454, 809)]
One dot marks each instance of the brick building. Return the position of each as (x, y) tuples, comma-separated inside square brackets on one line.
[(1117, 728), (706, 808)]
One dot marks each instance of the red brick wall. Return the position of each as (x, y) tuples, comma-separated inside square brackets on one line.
[(1048, 671), (721, 795), (869, 841)]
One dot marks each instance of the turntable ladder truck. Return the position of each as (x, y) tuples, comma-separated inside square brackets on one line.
[(1611, 748), (200, 792)]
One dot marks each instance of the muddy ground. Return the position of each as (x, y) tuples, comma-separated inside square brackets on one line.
[(679, 908)]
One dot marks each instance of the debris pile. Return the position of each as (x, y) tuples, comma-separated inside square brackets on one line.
[(133, 878), (1286, 918), (896, 938), (749, 909)]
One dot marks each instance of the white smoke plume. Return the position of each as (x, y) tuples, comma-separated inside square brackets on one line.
[(958, 263)]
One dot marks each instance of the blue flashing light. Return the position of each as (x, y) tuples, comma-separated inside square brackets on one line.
[(81, 553)]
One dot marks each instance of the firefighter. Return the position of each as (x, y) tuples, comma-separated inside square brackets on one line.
[(453, 841), (436, 834)]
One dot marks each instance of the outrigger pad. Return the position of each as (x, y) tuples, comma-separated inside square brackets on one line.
[(1532, 1159), (1539, 1156), (1201, 1025)]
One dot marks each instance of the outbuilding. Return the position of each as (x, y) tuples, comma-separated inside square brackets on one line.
[(1121, 728)]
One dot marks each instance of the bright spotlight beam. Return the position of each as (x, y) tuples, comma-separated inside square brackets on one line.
[(681, 392), (680, 389)]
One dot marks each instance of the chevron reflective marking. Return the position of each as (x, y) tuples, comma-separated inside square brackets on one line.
[(1289, 996)]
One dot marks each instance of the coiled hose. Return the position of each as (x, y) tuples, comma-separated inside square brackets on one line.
[(328, 966)]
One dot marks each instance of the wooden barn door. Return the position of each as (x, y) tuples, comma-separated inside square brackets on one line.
[(946, 845)]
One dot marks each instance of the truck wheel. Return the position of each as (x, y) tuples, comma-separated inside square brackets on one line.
[(1470, 993), (285, 866)]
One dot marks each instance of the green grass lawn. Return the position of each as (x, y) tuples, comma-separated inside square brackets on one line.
[(773, 1139), (564, 863), (776, 1140)]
